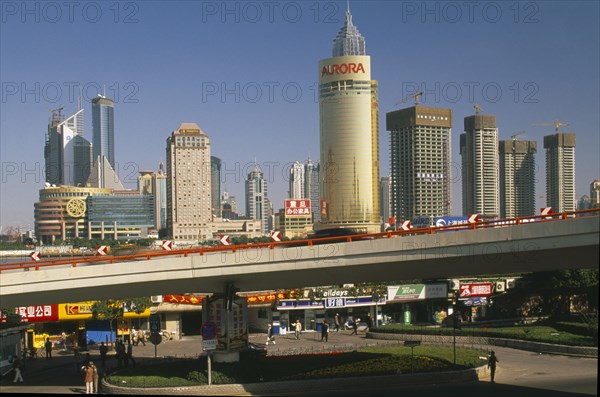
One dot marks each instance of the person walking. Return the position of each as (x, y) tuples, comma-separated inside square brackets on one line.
[(492, 361), (270, 334), (17, 368), (63, 338), (48, 347), (354, 327), (297, 329), (129, 356), (324, 330), (369, 322), (96, 378), (89, 378), (336, 321), (103, 351)]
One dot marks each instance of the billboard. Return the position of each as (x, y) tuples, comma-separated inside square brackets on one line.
[(297, 207), (475, 290)]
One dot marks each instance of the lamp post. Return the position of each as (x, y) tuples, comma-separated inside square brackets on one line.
[(454, 326)]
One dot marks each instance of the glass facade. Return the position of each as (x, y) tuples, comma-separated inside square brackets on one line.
[(126, 210), (103, 138)]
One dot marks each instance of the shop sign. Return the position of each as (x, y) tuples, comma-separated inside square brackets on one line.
[(184, 299), (335, 302), (436, 291), (475, 290), (407, 292), (37, 314)]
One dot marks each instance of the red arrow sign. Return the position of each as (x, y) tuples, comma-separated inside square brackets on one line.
[(546, 211), (35, 256), (167, 245), (225, 240), (72, 309), (405, 225), (101, 250), (473, 218), (275, 235)]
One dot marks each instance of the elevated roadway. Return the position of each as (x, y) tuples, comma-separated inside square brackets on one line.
[(493, 247)]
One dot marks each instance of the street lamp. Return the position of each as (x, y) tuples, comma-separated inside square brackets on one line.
[(454, 326)]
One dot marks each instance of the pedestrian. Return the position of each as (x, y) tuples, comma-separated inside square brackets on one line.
[(96, 378), (139, 337), (336, 320), (355, 326), (103, 351), (129, 356), (492, 361), (270, 334), (324, 330), (63, 338), (89, 378), (369, 322), (48, 347), (120, 353), (17, 368), (297, 329), (134, 337)]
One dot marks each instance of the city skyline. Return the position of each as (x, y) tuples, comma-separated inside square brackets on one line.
[(194, 69)]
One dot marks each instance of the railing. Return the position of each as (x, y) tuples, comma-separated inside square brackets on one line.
[(148, 255)]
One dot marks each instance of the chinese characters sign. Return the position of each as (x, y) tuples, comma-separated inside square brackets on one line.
[(297, 207), (472, 290)]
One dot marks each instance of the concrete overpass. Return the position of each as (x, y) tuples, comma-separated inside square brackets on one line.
[(486, 248)]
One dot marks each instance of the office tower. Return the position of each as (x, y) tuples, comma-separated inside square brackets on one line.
[(595, 194), (420, 162), (560, 171), (67, 154), (517, 178), (229, 206), (385, 199), (257, 202), (348, 135), (103, 129), (297, 181), (155, 184), (479, 157), (312, 189), (215, 186), (189, 203)]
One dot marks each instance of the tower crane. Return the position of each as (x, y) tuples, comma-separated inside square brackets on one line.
[(556, 125), (515, 135), (415, 95)]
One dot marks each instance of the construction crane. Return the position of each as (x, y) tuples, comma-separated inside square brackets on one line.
[(515, 135), (556, 125), (415, 95), (478, 108)]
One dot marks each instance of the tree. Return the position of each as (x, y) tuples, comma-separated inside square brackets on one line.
[(112, 310)]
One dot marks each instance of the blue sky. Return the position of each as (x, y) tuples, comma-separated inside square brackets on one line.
[(246, 73)]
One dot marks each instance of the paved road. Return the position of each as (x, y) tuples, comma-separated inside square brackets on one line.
[(519, 372)]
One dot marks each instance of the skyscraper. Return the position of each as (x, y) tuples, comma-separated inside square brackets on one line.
[(215, 186), (349, 137), (103, 128), (67, 154), (517, 178), (479, 156), (560, 171), (297, 181), (595, 194), (155, 184), (420, 162), (312, 189), (257, 202), (385, 198), (189, 203)]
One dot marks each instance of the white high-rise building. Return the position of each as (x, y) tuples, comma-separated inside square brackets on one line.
[(189, 205), (349, 164), (258, 205), (297, 181), (479, 156), (312, 189), (560, 171)]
